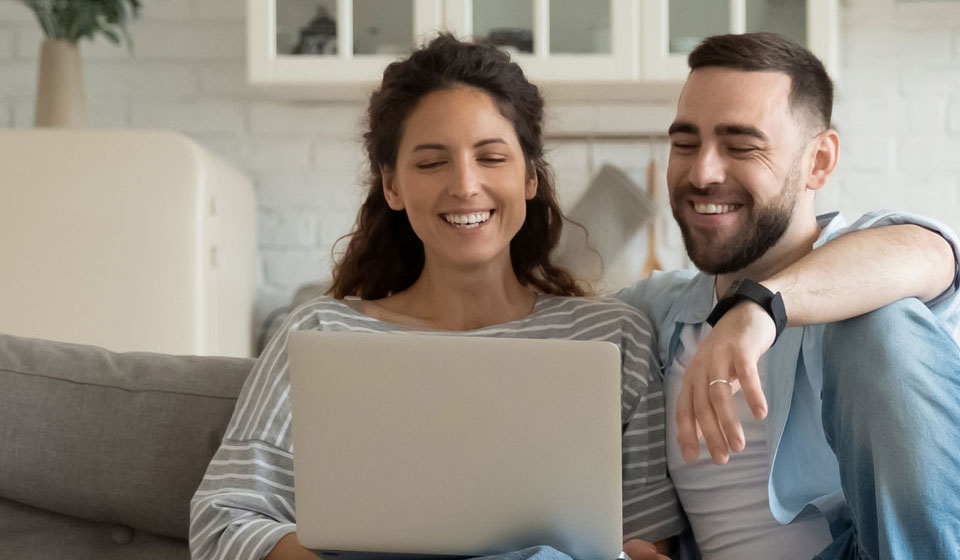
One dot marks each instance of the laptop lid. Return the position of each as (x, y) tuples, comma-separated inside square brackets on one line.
[(456, 445)]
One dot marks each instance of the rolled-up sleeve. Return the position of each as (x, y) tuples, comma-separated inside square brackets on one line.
[(946, 306), (246, 503)]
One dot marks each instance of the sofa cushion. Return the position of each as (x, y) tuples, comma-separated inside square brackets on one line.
[(37, 534), (116, 438)]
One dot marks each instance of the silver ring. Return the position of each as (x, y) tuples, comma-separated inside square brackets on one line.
[(715, 381)]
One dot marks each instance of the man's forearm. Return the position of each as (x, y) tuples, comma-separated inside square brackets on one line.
[(862, 271)]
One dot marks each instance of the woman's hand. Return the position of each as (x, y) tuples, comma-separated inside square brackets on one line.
[(289, 548), (642, 550)]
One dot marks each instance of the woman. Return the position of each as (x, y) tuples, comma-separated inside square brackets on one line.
[(454, 236)]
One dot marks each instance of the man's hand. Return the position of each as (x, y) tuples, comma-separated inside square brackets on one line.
[(642, 550), (730, 353)]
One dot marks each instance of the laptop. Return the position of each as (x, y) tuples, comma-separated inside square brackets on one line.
[(455, 446)]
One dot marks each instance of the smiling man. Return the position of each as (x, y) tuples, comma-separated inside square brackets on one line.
[(844, 435)]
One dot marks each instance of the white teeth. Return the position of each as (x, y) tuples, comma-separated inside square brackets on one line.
[(467, 220), (713, 208)]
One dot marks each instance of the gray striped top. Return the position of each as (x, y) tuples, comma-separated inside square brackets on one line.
[(245, 503)]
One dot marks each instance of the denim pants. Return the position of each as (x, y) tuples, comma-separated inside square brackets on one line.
[(891, 413)]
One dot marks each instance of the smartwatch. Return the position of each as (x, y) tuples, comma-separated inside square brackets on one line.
[(746, 289)]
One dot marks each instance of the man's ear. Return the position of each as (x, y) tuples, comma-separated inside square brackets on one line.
[(530, 188), (389, 176), (824, 160)]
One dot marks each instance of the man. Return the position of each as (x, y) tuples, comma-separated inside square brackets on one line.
[(848, 446)]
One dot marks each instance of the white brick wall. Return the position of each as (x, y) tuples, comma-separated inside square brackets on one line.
[(898, 111), (189, 116)]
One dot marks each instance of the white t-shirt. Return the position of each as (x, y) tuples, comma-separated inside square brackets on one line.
[(728, 505)]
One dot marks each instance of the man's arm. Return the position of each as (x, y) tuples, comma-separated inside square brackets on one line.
[(848, 276), (865, 270)]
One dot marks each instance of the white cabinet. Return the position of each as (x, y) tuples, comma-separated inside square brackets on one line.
[(671, 28), (557, 40), (317, 42), (604, 43), (127, 239)]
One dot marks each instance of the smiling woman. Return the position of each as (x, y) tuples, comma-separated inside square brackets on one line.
[(455, 237)]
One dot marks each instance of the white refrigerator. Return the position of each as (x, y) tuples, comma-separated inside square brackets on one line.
[(126, 239)]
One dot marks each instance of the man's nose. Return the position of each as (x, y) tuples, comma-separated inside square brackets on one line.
[(465, 180), (708, 168)]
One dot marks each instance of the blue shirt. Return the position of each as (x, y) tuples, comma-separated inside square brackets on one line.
[(804, 475)]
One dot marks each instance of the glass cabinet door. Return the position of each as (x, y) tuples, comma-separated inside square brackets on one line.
[(672, 28), (580, 27), (693, 20), (315, 42), (556, 40), (312, 41), (306, 27), (383, 27), (505, 23), (786, 17)]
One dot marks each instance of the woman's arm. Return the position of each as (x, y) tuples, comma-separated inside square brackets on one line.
[(651, 510), (245, 503), (289, 548)]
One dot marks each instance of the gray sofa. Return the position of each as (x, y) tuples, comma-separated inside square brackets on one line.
[(101, 452)]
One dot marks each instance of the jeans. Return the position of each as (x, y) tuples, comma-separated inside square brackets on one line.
[(891, 413), (533, 553)]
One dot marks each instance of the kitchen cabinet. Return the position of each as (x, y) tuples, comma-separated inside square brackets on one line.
[(671, 28), (608, 44), (319, 42)]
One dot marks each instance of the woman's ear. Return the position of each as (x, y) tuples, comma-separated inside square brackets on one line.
[(388, 176), (530, 188)]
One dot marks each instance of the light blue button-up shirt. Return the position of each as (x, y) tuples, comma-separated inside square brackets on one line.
[(804, 473)]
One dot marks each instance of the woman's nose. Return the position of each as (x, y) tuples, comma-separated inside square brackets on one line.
[(465, 181)]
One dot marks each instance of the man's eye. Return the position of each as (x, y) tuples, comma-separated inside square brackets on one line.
[(743, 150), (683, 146)]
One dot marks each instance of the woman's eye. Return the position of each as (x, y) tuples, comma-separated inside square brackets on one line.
[(493, 159), (429, 164)]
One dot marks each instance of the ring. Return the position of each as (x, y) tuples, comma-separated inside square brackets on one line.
[(715, 381)]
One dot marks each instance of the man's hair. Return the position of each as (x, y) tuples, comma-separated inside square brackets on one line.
[(811, 89)]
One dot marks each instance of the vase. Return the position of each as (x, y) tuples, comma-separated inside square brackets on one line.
[(60, 98)]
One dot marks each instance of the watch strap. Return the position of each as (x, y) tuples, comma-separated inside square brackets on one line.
[(746, 289)]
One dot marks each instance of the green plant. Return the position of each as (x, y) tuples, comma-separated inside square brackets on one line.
[(72, 20)]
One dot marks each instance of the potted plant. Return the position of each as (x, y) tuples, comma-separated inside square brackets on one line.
[(60, 97)]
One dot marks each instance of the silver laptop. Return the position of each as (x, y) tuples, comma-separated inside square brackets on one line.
[(455, 446)]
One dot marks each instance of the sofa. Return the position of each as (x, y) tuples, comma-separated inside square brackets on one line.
[(101, 452)]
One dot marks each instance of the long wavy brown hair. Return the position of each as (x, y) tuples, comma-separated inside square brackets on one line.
[(384, 256)]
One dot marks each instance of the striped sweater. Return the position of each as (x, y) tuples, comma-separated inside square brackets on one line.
[(246, 502)]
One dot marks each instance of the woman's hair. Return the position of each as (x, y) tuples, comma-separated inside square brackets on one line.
[(384, 255)]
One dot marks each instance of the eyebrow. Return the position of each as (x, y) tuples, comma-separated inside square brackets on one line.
[(483, 142), (739, 130), (683, 128), (720, 130)]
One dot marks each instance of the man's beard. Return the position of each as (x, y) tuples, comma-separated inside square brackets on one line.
[(764, 227)]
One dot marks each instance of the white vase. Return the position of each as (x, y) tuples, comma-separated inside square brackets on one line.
[(60, 98)]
